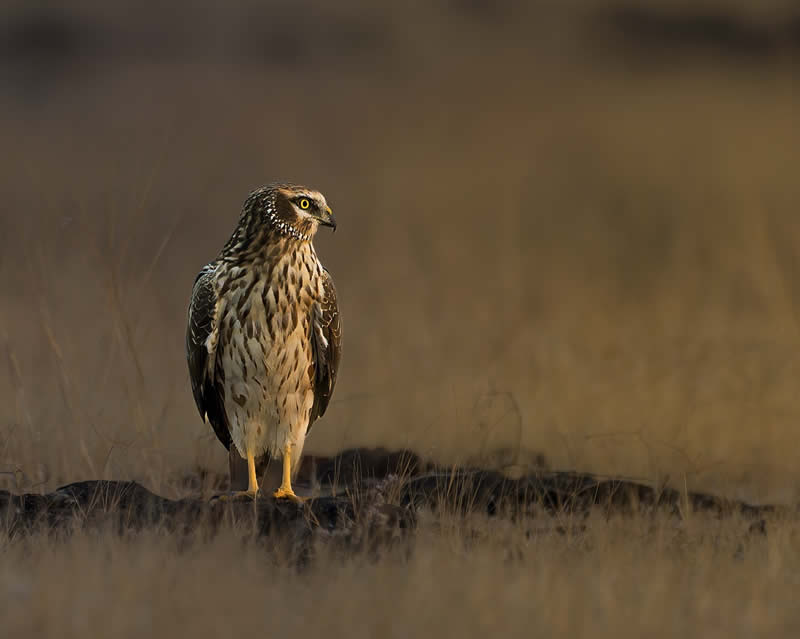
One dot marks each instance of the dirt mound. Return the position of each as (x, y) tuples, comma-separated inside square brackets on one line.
[(367, 497)]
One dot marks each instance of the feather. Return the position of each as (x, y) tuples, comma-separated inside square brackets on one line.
[(201, 353), (326, 347)]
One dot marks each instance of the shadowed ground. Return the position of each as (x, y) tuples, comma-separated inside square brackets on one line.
[(378, 506)]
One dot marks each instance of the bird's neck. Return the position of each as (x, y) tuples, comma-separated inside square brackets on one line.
[(266, 245)]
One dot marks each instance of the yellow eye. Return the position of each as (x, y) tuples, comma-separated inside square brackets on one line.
[(304, 204)]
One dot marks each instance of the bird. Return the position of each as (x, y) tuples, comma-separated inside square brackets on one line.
[(263, 337)]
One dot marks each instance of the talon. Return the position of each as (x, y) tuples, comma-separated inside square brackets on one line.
[(283, 493)]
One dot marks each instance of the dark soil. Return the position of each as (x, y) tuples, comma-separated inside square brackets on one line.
[(373, 497)]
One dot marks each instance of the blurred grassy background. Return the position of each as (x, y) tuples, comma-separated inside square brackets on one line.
[(564, 230), (473, 577)]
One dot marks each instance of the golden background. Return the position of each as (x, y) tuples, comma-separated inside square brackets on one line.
[(569, 232)]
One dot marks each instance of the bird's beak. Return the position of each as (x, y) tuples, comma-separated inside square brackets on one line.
[(326, 218)]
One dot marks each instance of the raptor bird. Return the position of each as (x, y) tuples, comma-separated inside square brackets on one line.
[(263, 340)]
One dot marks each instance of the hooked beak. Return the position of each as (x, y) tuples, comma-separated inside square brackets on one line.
[(326, 218)]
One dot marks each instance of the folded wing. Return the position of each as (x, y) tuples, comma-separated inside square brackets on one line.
[(201, 354), (326, 347)]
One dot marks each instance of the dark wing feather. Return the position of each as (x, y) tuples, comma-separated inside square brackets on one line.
[(205, 377), (327, 348)]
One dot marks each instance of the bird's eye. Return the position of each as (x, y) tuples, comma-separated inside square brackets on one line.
[(304, 204)]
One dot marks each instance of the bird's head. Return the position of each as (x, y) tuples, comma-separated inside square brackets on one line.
[(293, 211)]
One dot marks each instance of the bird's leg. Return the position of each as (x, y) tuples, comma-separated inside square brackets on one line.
[(285, 491), (252, 482)]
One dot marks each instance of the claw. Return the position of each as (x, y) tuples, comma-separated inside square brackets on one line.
[(289, 494)]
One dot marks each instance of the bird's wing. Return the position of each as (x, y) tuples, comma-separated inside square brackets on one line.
[(326, 344), (201, 353)]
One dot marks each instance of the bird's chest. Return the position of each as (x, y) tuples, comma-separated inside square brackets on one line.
[(265, 323)]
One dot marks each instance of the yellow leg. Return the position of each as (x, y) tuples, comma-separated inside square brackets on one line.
[(252, 482), (285, 491)]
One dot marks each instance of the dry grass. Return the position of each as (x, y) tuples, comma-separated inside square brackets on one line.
[(465, 577), (542, 249)]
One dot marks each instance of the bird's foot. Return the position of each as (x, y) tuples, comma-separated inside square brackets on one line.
[(288, 493), (236, 495)]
